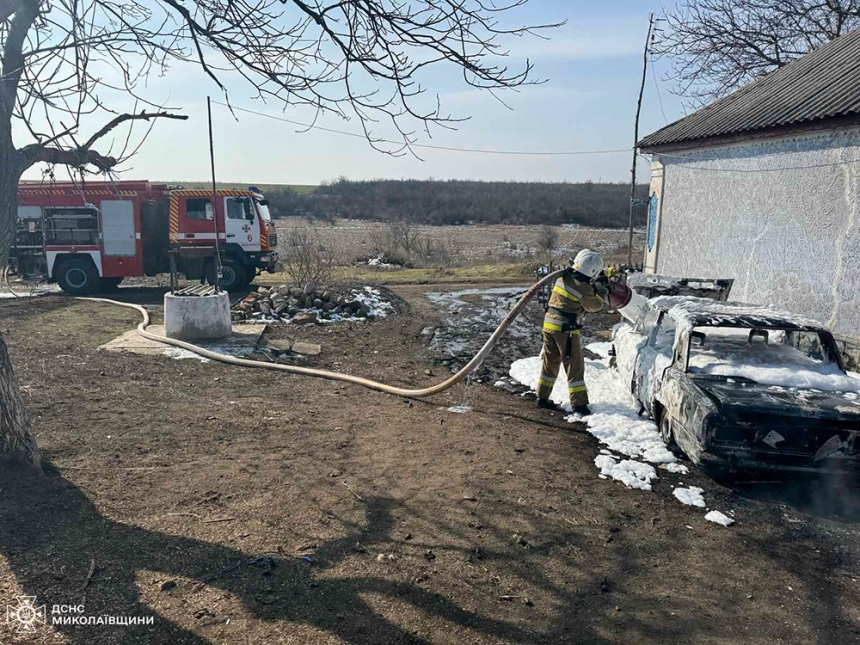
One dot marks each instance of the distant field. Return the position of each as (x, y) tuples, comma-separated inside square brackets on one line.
[(472, 245), (236, 185)]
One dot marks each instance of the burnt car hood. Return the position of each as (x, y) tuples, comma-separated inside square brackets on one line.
[(745, 396)]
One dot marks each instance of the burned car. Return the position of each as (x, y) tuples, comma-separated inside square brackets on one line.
[(739, 387)]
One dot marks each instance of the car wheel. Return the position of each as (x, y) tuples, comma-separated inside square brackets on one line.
[(666, 431), (78, 277)]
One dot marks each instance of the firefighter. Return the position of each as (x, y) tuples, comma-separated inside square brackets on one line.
[(572, 296)]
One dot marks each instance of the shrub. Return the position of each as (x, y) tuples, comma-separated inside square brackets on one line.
[(547, 240), (306, 257)]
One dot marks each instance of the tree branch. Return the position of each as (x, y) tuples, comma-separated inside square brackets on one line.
[(12, 67), (36, 153), (83, 155), (717, 46), (140, 116)]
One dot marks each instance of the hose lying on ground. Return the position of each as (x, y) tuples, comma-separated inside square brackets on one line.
[(336, 376)]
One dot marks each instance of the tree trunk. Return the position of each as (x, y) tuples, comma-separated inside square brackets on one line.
[(10, 174), (17, 441)]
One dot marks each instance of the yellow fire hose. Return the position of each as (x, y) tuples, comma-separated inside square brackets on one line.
[(335, 376)]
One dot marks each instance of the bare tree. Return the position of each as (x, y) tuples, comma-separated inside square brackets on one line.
[(405, 235), (547, 239), (306, 257), (62, 60), (717, 46)]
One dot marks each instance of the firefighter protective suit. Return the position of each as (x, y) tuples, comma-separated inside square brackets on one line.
[(569, 300)]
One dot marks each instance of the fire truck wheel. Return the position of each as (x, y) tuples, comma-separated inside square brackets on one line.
[(78, 277), (232, 272)]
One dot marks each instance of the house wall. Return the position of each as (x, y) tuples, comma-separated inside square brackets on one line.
[(653, 216), (780, 216)]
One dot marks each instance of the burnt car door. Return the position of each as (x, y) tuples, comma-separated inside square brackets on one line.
[(686, 408), (628, 339), (654, 358)]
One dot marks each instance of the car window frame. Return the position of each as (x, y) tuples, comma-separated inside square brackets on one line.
[(827, 339)]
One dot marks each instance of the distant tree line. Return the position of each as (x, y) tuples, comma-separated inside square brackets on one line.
[(464, 202)]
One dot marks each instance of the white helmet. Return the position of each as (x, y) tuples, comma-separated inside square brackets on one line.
[(588, 263)]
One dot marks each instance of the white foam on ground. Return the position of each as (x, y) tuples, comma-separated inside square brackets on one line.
[(380, 263), (633, 474), (719, 518), (370, 298), (681, 469), (179, 353), (460, 409), (374, 301), (614, 419), (27, 291), (691, 496), (229, 349)]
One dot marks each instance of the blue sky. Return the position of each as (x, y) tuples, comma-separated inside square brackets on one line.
[(592, 67)]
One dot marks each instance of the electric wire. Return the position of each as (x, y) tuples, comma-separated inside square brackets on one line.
[(659, 96), (429, 146)]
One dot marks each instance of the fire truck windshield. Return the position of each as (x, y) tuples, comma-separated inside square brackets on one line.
[(263, 208), (262, 204)]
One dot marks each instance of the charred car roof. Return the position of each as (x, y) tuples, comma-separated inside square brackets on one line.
[(701, 312)]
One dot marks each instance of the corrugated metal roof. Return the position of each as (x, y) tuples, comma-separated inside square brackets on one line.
[(822, 84)]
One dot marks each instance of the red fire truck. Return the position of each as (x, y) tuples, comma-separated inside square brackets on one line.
[(88, 238)]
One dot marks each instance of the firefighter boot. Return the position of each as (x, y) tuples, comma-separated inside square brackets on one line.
[(546, 404)]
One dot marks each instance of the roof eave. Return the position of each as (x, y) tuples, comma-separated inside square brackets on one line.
[(830, 123)]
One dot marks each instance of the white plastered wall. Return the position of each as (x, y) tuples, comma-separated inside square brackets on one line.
[(780, 216)]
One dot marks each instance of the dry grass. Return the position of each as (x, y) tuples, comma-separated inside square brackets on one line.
[(476, 245), (513, 273)]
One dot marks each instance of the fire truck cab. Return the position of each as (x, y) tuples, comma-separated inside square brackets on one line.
[(88, 238)]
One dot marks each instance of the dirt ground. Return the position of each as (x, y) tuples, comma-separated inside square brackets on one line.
[(243, 506)]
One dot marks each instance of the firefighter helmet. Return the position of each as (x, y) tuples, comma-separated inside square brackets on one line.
[(587, 263)]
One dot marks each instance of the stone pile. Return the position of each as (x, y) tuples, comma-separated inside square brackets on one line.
[(299, 305)]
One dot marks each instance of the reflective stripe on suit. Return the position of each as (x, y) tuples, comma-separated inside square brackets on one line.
[(561, 338)]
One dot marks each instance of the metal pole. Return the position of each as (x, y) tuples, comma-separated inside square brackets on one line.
[(636, 139), (174, 280), (214, 200)]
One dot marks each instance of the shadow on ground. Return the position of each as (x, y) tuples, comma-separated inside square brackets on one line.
[(45, 517), (826, 496), (48, 520)]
